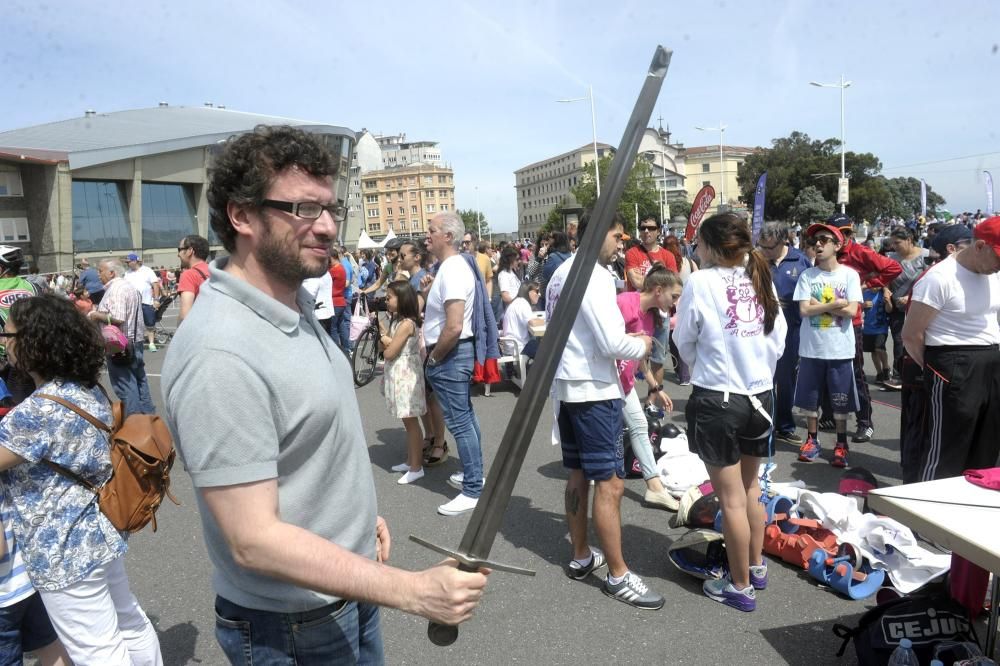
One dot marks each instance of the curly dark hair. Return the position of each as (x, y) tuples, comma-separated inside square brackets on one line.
[(56, 341), (249, 163)]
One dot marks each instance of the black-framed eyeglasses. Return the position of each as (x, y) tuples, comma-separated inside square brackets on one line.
[(307, 210)]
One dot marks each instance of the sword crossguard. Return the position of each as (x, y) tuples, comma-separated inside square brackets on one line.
[(446, 634)]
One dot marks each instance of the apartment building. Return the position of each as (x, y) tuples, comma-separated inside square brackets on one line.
[(404, 199)]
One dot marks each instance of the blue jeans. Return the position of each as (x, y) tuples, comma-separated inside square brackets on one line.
[(130, 384), (784, 382), (449, 380), (340, 327), (343, 633)]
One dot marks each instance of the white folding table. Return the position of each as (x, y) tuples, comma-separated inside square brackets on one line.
[(956, 514)]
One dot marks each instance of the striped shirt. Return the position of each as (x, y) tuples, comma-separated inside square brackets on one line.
[(15, 585), (121, 301)]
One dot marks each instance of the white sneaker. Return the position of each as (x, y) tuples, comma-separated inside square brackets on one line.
[(401, 467), (459, 505), (456, 479), (410, 477)]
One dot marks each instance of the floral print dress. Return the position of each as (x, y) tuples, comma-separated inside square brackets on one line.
[(57, 523), (404, 378)]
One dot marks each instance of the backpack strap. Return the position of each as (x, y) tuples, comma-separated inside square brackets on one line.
[(87, 416)]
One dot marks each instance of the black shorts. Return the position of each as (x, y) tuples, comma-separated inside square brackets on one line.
[(28, 621), (720, 434), (873, 341)]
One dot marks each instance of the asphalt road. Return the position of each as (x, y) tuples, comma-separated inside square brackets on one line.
[(548, 619)]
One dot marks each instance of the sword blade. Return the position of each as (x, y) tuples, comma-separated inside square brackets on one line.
[(485, 522)]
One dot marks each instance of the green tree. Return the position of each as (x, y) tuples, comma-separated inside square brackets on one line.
[(640, 189), (475, 222), (905, 193), (809, 206), (797, 162)]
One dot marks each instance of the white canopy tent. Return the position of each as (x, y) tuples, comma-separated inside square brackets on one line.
[(365, 242), (388, 237)]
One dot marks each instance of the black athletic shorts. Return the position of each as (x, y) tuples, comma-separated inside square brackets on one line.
[(872, 341), (720, 434)]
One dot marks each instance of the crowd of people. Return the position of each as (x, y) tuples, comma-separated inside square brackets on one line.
[(762, 329)]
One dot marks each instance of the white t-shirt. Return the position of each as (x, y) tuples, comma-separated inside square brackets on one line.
[(825, 335), (143, 279), (454, 281), (515, 321), (968, 303), (509, 283)]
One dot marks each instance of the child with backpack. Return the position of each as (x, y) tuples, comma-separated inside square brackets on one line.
[(403, 381)]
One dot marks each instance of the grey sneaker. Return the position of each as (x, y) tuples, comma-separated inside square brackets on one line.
[(578, 572), (722, 590), (633, 592), (789, 437)]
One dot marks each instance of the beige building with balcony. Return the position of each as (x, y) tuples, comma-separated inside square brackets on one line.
[(702, 165), (404, 199), (541, 186)]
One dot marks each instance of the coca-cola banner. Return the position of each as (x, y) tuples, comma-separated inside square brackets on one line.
[(698, 208)]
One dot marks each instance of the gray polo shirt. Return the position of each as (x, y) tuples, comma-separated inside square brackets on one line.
[(255, 391)]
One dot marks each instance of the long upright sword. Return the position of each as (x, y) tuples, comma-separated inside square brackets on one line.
[(485, 522)]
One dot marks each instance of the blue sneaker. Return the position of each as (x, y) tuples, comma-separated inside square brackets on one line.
[(810, 450), (758, 576), (722, 590)]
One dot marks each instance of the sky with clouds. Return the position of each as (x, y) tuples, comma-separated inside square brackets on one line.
[(482, 77)]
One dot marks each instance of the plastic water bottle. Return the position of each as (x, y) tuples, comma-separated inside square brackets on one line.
[(904, 655)]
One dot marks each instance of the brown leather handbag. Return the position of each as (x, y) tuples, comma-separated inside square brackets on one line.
[(142, 453)]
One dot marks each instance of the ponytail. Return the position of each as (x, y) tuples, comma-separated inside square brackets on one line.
[(759, 273)]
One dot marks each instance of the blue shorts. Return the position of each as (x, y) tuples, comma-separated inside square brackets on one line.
[(660, 352), (24, 627), (835, 376), (148, 315), (591, 434)]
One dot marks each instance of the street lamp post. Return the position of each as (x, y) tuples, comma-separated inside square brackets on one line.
[(843, 85), (721, 129), (593, 122)]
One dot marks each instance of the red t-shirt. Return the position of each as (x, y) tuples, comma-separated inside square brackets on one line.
[(339, 276), (640, 259), (192, 278)]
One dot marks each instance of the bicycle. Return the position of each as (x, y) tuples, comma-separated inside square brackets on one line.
[(367, 348)]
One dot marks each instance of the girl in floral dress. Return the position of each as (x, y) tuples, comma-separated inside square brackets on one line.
[(404, 375)]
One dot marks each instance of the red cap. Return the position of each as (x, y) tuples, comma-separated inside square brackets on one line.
[(814, 228), (989, 231)]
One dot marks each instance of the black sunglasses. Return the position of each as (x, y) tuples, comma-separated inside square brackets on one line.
[(648, 228), (186, 247), (4, 334)]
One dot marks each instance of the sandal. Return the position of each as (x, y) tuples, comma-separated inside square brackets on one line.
[(431, 460), (428, 445)]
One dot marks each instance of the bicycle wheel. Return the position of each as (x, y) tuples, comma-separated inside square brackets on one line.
[(365, 356)]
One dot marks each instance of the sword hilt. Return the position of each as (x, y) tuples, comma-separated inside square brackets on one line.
[(446, 634)]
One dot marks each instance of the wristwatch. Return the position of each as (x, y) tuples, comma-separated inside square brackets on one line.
[(431, 361)]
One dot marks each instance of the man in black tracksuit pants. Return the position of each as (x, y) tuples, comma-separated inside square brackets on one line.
[(952, 331)]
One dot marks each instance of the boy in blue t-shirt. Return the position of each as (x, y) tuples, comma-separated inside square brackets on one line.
[(875, 330)]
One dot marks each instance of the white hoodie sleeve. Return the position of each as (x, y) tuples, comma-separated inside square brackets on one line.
[(688, 324), (600, 310)]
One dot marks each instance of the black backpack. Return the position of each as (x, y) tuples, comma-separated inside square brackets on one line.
[(927, 620)]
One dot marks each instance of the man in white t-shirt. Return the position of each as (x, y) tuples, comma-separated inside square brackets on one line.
[(951, 330), (588, 396), (451, 354), (148, 285), (828, 295)]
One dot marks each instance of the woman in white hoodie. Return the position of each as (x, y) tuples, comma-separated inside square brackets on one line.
[(731, 332)]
